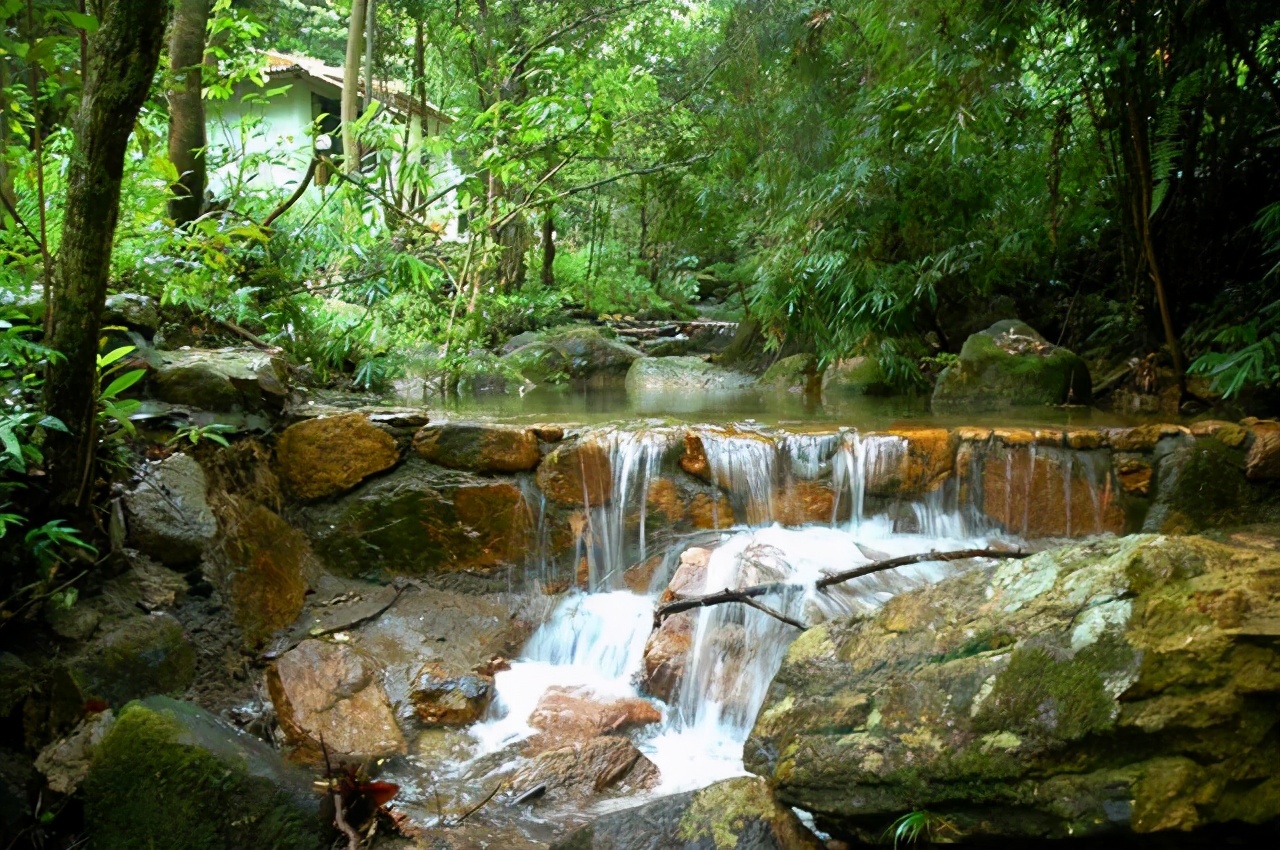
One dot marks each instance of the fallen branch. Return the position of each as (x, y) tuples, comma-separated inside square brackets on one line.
[(748, 595), (478, 806), (922, 558)]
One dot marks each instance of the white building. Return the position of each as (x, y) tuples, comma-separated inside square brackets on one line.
[(262, 139)]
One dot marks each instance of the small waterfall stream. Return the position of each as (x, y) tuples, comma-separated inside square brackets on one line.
[(595, 640)]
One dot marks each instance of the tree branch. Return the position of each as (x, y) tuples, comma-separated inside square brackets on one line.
[(518, 68), (748, 595), (614, 178)]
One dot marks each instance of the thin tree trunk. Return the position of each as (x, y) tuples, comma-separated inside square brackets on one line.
[(187, 138), (124, 53), (549, 247), (370, 33), (351, 87)]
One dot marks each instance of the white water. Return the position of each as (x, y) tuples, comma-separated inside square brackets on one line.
[(595, 641)]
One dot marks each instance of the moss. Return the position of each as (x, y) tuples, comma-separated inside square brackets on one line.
[(987, 641), (1043, 693), (722, 812), (151, 786)]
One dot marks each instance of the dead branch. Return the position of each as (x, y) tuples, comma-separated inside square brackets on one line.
[(297, 194), (480, 805), (748, 595)]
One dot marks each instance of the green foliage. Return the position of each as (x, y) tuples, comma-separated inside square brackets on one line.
[(911, 827), (196, 434)]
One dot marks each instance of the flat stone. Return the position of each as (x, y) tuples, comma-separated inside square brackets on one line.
[(478, 447)]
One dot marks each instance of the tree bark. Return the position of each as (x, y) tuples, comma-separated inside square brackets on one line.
[(124, 53), (549, 247), (370, 22), (187, 138), (351, 86)]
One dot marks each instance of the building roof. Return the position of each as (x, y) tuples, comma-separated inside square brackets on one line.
[(391, 93)]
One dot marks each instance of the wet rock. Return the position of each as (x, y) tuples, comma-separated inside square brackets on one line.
[(677, 504), (422, 519), (1262, 461), (332, 691), (734, 814), (142, 656), (639, 577), (1199, 487), (694, 460), (170, 774), (262, 566), (323, 457), (1038, 492), (690, 577), (577, 471), (666, 655), (581, 355), (223, 380), (168, 514), (1134, 475), (608, 763), (926, 463), (573, 715), (1228, 433), (1111, 687), (133, 311), (795, 374), (478, 448), (656, 374), (1011, 365), (539, 363), (805, 502), (65, 762), (856, 376), (442, 699)]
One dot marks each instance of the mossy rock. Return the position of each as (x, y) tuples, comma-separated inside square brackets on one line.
[(656, 374), (1116, 687), (170, 775), (142, 656), (539, 362), (735, 814), (1011, 365), (797, 374), (422, 519), (478, 447), (1202, 486), (856, 376)]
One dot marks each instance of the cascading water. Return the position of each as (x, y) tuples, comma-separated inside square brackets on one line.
[(596, 641)]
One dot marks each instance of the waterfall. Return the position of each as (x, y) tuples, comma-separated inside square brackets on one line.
[(596, 641)]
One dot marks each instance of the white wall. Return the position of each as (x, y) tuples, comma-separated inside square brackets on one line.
[(270, 154)]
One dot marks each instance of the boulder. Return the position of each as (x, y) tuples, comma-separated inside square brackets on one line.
[(333, 692), (666, 655), (222, 380), (65, 762), (170, 774), (142, 656), (580, 355), (733, 814), (422, 519), (856, 376), (168, 513), (576, 472), (444, 699), (1123, 686), (658, 374), (1262, 462), (262, 566), (575, 772), (323, 457), (574, 715), (1011, 365), (133, 311), (478, 447), (690, 576), (1199, 487), (795, 374)]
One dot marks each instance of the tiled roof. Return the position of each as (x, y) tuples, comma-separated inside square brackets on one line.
[(392, 93)]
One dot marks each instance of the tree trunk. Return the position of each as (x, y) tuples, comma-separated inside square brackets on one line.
[(351, 87), (370, 33), (186, 108), (512, 238), (124, 53), (549, 247)]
